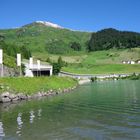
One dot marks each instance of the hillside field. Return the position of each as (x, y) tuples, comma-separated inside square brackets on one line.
[(99, 62)]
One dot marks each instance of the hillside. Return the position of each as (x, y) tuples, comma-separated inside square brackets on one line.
[(39, 38), (111, 38), (46, 37), (104, 62), (107, 48)]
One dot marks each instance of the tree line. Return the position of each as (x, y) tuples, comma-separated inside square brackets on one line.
[(12, 49), (112, 38)]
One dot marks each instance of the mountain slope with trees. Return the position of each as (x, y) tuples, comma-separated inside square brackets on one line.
[(112, 38), (40, 38), (104, 50), (9, 57)]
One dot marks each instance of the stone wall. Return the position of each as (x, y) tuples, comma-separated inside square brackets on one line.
[(11, 97), (9, 72)]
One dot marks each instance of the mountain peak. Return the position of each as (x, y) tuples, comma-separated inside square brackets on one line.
[(50, 24)]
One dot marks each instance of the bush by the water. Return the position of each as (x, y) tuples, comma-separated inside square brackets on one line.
[(93, 79), (134, 77)]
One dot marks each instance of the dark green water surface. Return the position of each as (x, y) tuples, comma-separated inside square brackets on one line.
[(108, 110)]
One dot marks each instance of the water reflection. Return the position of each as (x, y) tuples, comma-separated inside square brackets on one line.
[(19, 123), (39, 113), (2, 134), (134, 93), (32, 116)]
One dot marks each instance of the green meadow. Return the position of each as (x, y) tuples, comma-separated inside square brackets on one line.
[(103, 69)]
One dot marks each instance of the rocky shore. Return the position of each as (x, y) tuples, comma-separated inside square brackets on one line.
[(12, 97)]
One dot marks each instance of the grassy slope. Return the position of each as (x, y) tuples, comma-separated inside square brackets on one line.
[(38, 37), (10, 61), (106, 62), (33, 85), (74, 57), (113, 56), (104, 69)]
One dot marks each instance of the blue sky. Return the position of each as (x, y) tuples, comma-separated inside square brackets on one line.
[(87, 15)]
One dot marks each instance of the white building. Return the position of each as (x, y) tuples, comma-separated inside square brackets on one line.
[(128, 62), (132, 62), (43, 70), (124, 62)]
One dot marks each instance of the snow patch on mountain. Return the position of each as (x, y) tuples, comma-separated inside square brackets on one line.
[(49, 24)]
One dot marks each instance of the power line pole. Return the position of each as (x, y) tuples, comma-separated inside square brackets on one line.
[(38, 67), (19, 63), (1, 61)]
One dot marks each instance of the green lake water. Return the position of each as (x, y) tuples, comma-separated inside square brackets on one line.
[(108, 110)]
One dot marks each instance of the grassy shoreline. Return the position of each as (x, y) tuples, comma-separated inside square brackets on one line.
[(30, 86)]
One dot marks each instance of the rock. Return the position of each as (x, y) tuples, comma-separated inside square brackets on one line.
[(22, 96), (66, 90), (13, 97), (5, 94), (51, 90), (39, 94), (36, 96), (29, 97), (44, 93), (48, 93), (10, 71), (19, 95), (5, 99)]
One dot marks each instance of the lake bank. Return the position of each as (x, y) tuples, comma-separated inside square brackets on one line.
[(18, 89), (98, 76), (13, 89)]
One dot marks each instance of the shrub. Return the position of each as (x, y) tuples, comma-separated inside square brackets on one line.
[(75, 46), (93, 79)]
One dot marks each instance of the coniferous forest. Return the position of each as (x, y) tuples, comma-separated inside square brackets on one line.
[(112, 38)]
